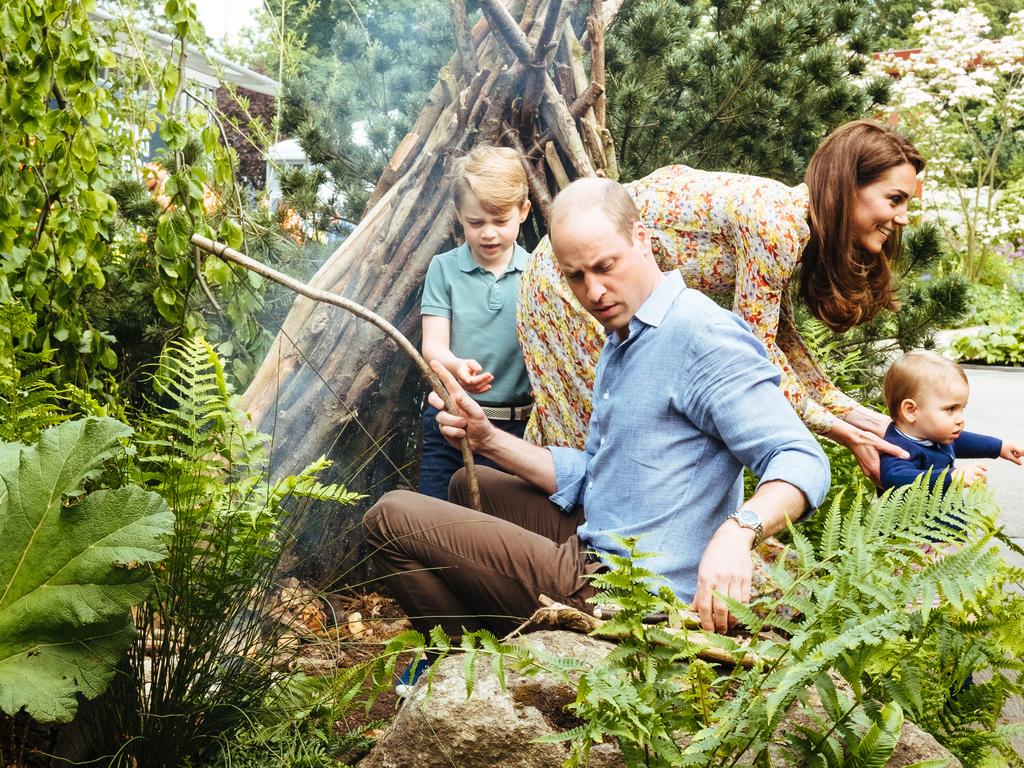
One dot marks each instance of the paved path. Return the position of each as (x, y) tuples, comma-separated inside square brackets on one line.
[(996, 407)]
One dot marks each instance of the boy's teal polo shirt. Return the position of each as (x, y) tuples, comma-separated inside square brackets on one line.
[(482, 311)]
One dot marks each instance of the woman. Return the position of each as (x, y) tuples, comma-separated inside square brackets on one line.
[(747, 236)]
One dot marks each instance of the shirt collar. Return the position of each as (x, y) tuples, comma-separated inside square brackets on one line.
[(918, 440), (655, 307), (652, 312), (517, 263)]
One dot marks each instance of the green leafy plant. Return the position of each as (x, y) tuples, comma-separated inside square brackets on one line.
[(104, 263), (993, 306), (29, 400), (210, 651), (993, 344), (73, 565), (305, 726), (56, 166), (904, 597)]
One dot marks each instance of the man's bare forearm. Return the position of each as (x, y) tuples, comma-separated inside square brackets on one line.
[(530, 462), (775, 502)]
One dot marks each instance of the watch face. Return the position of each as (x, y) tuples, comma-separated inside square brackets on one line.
[(748, 517)]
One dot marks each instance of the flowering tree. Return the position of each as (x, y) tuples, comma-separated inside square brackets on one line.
[(961, 99)]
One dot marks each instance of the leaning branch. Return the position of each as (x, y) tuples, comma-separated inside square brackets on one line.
[(220, 250), (502, 22)]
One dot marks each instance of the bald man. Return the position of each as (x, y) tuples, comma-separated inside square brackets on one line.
[(684, 398)]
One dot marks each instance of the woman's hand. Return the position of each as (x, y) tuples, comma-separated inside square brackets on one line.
[(869, 420), (865, 447)]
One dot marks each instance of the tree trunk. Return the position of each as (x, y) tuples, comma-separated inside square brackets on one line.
[(334, 385)]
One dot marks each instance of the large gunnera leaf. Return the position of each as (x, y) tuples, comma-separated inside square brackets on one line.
[(71, 567)]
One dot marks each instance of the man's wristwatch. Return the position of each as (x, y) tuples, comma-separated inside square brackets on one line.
[(747, 518)]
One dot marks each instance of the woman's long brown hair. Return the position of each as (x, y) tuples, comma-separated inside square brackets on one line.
[(841, 283)]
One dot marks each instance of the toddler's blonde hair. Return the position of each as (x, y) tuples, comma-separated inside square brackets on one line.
[(914, 372), (494, 175)]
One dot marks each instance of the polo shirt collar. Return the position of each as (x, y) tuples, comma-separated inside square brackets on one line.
[(520, 257), (466, 263), (517, 263)]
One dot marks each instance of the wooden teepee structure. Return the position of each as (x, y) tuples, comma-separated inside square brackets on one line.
[(330, 383)]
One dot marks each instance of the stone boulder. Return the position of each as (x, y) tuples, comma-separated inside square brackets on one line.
[(495, 728)]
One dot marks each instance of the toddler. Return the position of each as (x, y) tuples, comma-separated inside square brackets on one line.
[(469, 305), (926, 395)]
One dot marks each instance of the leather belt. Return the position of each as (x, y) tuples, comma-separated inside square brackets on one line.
[(508, 412)]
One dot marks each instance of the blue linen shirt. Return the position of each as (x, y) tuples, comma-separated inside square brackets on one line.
[(680, 407), (926, 456)]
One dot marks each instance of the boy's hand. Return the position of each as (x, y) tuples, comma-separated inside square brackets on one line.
[(1012, 452), (472, 377), (971, 474)]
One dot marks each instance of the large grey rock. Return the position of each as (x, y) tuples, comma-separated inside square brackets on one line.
[(495, 727)]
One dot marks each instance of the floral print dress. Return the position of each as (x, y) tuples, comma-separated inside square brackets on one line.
[(726, 233)]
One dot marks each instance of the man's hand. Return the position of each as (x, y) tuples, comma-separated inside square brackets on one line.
[(1012, 452), (725, 568), (472, 377), (469, 421), (971, 474)]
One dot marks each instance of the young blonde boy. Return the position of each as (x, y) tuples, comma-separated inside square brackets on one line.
[(469, 305), (926, 395)]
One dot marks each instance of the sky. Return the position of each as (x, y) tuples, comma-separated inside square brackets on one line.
[(225, 17)]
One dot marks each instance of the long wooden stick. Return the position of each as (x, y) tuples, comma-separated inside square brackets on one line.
[(463, 38), (222, 251)]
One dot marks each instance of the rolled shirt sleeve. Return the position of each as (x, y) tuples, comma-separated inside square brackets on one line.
[(735, 396), (570, 477)]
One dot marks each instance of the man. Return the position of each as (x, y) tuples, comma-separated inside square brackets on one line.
[(684, 397)]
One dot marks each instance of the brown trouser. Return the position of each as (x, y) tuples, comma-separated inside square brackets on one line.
[(447, 564)]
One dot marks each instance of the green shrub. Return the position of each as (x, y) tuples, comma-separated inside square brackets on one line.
[(905, 597), (302, 726), (988, 305), (994, 344), (210, 653)]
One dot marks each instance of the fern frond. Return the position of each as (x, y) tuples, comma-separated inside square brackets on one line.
[(29, 401), (877, 745)]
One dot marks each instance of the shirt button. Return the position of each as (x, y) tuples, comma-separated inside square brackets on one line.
[(604, 396), (590, 484), (602, 441)]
